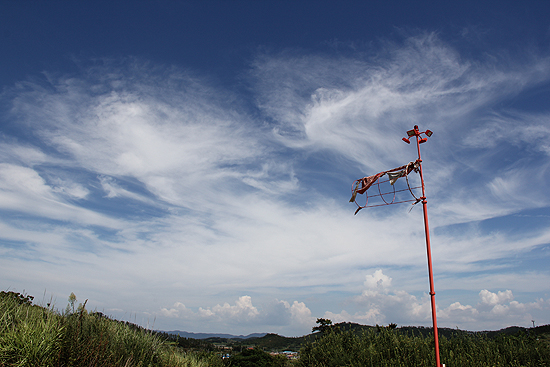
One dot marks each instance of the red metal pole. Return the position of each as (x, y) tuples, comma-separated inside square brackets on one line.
[(430, 271)]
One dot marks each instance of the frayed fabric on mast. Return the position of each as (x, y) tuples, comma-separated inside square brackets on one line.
[(363, 184)]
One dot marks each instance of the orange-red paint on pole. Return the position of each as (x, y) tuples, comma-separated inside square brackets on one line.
[(428, 247), (367, 182)]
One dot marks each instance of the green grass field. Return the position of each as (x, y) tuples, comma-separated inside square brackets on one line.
[(32, 335)]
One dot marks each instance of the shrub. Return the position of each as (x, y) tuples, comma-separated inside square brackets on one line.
[(386, 347)]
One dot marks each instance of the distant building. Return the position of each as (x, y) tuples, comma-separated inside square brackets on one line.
[(287, 353), (290, 354)]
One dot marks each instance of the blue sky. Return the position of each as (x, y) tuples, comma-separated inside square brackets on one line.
[(188, 165)]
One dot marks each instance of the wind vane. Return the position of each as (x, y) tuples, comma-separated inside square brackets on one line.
[(374, 180), (362, 185)]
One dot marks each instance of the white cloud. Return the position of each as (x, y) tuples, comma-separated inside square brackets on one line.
[(278, 314), (403, 308), (177, 311), (242, 311), (517, 128), (23, 190), (15, 177), (300, 313), (71, 189), (113, 190), (351, 105), (157, 174), (493, 299), (359, 108), (22, 154), (378, 282), (495, 308)]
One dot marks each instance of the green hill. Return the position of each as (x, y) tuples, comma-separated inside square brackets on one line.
[(275, 342), (32, 335)]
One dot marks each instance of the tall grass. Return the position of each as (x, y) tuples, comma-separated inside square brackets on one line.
[(389, 348), (31, 335)]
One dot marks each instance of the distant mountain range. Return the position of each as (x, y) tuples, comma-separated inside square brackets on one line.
[(185, 334)]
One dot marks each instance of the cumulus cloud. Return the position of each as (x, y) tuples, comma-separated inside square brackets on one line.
[(388, 305), (493, 299), (279, 314), (241, 312), (493, 309), (377, 282), (178, 310)]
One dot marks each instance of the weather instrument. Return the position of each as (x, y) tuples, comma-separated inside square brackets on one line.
[(389, 197)]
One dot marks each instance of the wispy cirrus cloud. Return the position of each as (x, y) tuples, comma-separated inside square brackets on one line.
[(156, 183), (350, 104)]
